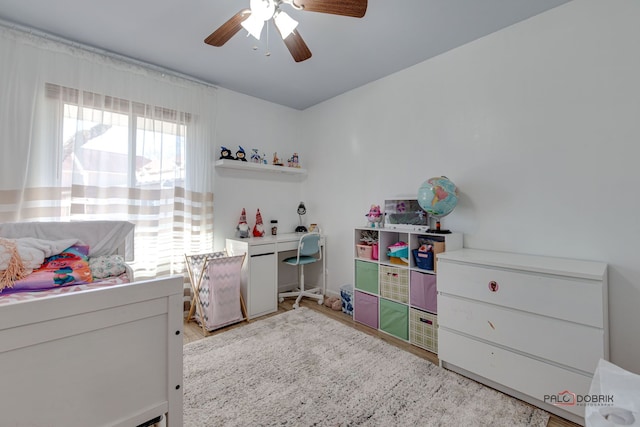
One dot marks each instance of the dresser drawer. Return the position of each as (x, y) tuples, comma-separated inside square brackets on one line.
[(515, 371), (566, 343), (573, 299)]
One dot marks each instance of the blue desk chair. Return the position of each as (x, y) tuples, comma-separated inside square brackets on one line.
[(308, 252)]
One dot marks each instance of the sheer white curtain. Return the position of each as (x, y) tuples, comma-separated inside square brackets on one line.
[(90, 136)]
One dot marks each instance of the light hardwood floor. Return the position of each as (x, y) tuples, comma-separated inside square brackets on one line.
[(193, 332)]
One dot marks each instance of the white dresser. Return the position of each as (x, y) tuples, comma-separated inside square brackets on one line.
[(530, 326)]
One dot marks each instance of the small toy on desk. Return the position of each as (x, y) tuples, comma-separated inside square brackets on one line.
[(258, 229), (225, 153), (276, 160), (242, 229), (374, 216), (240, 154)]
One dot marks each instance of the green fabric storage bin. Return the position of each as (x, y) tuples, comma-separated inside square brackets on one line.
[(394, 318), (367, 276)]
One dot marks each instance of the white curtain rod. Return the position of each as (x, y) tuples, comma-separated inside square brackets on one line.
[(35, 32)]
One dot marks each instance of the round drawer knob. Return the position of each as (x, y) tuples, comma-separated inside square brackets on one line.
[(493, 286)]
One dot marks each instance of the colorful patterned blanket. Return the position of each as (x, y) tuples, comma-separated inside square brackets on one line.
[(30, 263)]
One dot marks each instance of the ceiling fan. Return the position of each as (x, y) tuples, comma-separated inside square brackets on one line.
[(261, 11)]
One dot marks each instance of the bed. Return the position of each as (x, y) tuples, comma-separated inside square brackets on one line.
[(106, 353)]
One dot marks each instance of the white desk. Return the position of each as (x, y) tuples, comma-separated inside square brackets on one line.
[(264, 274)]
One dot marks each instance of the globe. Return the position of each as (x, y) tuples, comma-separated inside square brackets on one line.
[(438, 196)]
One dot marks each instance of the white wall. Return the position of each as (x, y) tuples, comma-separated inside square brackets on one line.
[(537, 124), (253, 123)]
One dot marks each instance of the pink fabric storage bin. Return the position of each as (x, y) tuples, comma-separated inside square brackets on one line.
[(366, 309), (423, 292)]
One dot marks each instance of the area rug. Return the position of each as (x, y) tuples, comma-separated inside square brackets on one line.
[(302, 368)]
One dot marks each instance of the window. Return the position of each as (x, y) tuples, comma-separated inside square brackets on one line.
[(124, 160), (115, 142), (87, 136)]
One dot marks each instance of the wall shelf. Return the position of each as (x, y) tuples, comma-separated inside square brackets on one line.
[(257, 167)]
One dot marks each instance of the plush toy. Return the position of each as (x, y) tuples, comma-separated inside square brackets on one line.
[(225, 153), (258, 229), (242, 229), (374, 216), (240, 154), (334, 303)]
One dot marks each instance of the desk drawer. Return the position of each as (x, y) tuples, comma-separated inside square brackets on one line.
[(268, 248), (292, 245), (288, 246), (576, 300), (566, 343)]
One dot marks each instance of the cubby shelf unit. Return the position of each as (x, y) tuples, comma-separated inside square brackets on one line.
[(399, 299)]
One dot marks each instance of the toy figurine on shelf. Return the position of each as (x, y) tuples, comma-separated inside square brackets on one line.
[(225, 153), (240, 154), (255, 157), (276, 160), (242, 229), (374, 216), (258, 229), (293, 161)]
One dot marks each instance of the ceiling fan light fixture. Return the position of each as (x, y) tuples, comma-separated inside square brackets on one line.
[(253, 25), (286, 24), (261, 11)]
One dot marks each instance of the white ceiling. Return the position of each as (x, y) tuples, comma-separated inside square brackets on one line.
[(347, 52)]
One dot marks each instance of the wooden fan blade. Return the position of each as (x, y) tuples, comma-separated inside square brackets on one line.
[(354, 8), (297, 46), (228, 29)]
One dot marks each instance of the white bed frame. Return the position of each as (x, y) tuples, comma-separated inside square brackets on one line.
[(102, 357)]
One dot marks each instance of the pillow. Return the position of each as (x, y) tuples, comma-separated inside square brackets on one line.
[(107, 266), (70, 267)]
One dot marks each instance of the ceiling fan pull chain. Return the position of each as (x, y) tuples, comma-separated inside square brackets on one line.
[(267, 53)]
